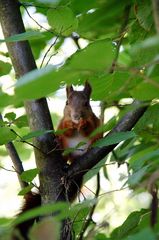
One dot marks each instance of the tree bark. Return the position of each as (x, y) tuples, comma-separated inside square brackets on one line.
[(50, 165)]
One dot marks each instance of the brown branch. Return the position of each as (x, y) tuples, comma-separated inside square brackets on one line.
[(17, 163), (76, 38), (103, 106), (155, 4), (154, 206), (45, 55), (96, 154), (121, 36), (34, 19), (23, 141)]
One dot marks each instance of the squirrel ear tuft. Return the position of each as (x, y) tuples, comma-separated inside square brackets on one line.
[(87, 89), (69, 89)]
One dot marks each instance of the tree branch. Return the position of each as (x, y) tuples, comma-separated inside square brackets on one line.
[(121, 36), (17, 163), (94, 155), (155, 4), (89, 219)]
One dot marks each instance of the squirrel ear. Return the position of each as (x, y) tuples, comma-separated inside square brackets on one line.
[(69, 89), (87, 89)]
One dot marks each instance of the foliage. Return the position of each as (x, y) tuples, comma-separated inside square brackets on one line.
[(117, 77)]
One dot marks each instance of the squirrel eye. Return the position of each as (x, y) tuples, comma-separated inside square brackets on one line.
[(86, 104)]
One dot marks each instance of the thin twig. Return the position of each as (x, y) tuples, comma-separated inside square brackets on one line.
[(76, 38), (89, 219), (8, 170), (121, 36), (50, 58), (35, 5), (93, 168), (112, 191), (45, 55), (89, 189), (23, 141), (154, 206), (35, 20)]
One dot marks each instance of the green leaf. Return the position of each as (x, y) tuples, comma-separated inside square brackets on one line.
[(6, 135), (92, 172), (10, 116), (6, 99), (25, 190), (114, 86), (97, 56), (146, 90), (149, 121), (130, 223), (21, 121), (78, 213), (136, 177), (35, 134), (24, 36), (144, 14), (4, 68), (71, 150), (144, 52), (60, 207), (146, 234), (5, 221), (114, 139), (138, 160), (36, 83), (29, 175), (104, 128), (62, 20), (91, 23)]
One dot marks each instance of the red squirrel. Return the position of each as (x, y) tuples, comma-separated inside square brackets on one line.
[(79, 122)]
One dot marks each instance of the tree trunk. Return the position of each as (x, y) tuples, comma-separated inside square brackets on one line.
[(50, 165)]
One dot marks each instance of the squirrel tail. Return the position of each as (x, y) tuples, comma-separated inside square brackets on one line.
[(32, 200)]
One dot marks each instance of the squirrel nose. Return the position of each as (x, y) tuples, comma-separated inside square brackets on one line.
[(77, 116)]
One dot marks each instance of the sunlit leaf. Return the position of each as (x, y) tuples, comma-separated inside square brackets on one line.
[(4, 68), (21, 121), (128, 226), (62, 20), (62, 208), (35, 134), (6, 135), (114, 138), (25, 190), (10, 116), (23, 36), (137, 176), (29, 175)]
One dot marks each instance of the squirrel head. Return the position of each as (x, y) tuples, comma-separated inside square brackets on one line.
[(78, 103)]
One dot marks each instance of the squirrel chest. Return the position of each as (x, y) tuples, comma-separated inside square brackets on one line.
[(79, 122), (74, 140)]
